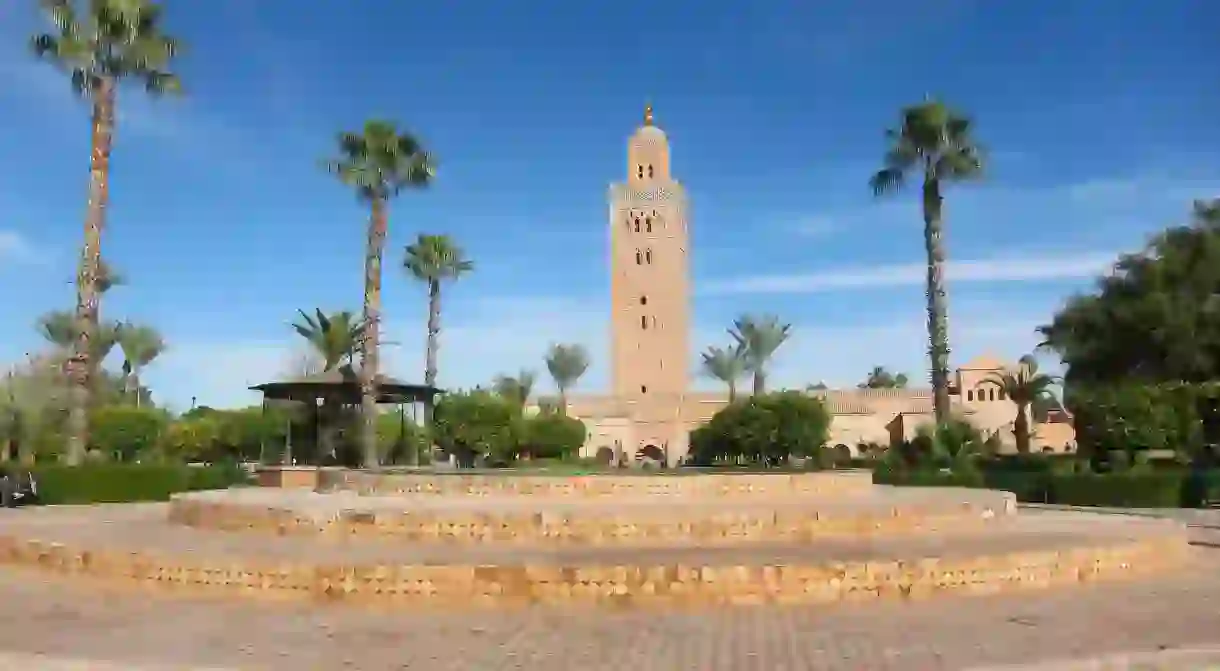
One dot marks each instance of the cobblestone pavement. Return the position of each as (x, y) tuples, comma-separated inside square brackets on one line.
[(132, 628)]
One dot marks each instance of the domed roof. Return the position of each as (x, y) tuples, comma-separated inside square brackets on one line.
[(648, 131)]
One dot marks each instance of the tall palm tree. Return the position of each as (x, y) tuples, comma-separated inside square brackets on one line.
[(934, 142), (758, 338), (516, 388), (433, 260), (60, 328), (726, 364), (141, 345), (1025, 386), (566, 364), (98, 46), (334, 338), (378, 163)]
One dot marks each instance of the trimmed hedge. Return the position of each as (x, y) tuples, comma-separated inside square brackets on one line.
[(124, 483), (1129, 489)]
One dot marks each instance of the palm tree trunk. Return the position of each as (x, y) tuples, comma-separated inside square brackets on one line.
[(434, 343), (563, 400), (732, 390), (1020, 429), (135, 385), (938, 327), (370, 344), (760, 382), (86, 279)]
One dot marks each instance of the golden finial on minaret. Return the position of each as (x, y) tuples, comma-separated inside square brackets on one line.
[(648, 114)]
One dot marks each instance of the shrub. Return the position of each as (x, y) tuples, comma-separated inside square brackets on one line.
[(122, 483), (194, 439), (768, 428), (477, 424), (1133, 417), (123, 432), (400, 440), (553, 436), (1130, 489), (885, 475)]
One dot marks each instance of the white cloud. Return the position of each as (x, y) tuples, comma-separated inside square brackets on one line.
[(1020, 269), (14, 247), (505, 335)]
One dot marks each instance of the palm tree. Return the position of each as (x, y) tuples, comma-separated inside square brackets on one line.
[(880, 378), (141, 345), (725, 364), (516, 388), (378, 163), (109, 41), (758, 338), (935, 142), (566, 364), (433, 260), (59, 328), (334, 338), (1025, 386)]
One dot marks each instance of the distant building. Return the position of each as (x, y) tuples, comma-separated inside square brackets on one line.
[(650, 410)]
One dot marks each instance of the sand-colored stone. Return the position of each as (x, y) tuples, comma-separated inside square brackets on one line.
[(702, 485), (719, 520), (138, 545)]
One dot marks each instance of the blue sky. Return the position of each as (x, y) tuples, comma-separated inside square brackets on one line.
[(1100, 127)]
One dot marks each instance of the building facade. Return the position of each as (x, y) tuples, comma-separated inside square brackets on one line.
[(650, 409)]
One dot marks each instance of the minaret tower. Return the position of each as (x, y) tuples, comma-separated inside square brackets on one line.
[(649, 283)]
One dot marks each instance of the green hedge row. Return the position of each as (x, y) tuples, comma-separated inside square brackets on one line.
[(1129, 489), (122, 483)]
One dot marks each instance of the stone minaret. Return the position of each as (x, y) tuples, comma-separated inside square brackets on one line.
[(649, 283)]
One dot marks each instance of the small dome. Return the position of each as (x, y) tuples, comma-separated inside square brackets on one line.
[(650, 133)]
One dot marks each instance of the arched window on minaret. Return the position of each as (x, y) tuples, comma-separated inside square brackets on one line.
[(648, 224), (648, 256), (969, 394), (650, 171), (637, 224), (644, 322), (639, 171), (639, 257)]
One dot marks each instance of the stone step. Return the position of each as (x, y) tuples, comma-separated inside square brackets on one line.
[(137, 543), (679, 483), (596, 521)]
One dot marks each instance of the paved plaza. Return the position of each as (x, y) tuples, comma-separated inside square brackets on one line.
[(1170, 622)]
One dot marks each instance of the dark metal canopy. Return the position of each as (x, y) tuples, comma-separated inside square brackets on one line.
[(342, 384)]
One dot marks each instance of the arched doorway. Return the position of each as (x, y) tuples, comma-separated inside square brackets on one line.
[(649, 454), (605, 456)]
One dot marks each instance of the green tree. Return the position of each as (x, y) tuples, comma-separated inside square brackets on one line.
[(550, 435), (516, 388), (880, 378), (333, 337), (726, 364), (1155, 318), (477, 424), (934, 142), (766, 428), (141, 345), (1024, 387), (566, 364), (124, 432), (98, 46), (758, 338), (434, 260), (378, 163)]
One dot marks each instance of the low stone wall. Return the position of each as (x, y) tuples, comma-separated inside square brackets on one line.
[(595, 525), (640, 584), (518, 484)]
